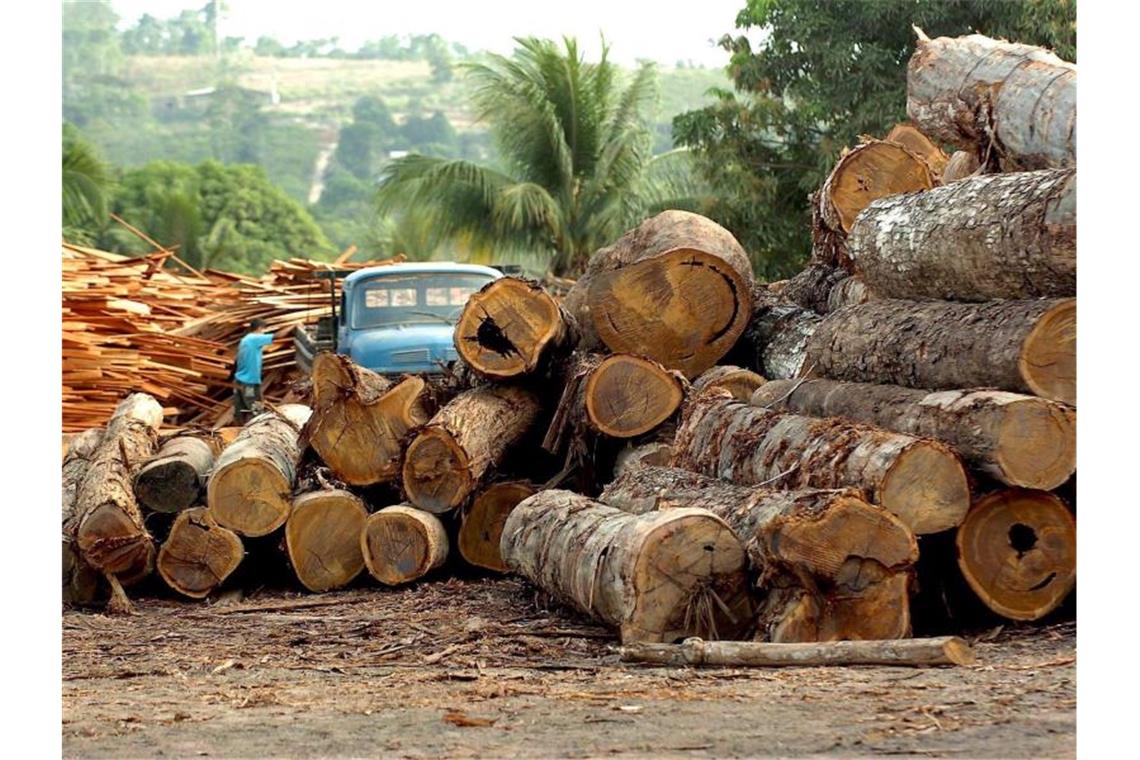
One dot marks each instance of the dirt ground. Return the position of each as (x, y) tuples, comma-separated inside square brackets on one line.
[(484, 668)]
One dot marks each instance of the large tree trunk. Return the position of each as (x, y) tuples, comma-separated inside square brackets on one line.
[(111, 535), (1020, 346), (848, 292), (993, 236), (481, 528), (920, 145), (172, 479), (80, 580), (812, 287), (676, 289), (322, 538), (776, 339), (449, 457), (360, 419), (401, 544), (980, 94), (250, 490), (512, 327), (919, 480), (651, 454), (634, 572), (1020, 440), (199, 554), (1018, 551)]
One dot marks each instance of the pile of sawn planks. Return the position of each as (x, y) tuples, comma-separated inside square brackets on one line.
[(602, 446)]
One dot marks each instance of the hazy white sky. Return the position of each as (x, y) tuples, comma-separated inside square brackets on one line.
[(655, 29)]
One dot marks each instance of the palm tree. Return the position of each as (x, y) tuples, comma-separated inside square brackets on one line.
[(576, 151), (86, 184)]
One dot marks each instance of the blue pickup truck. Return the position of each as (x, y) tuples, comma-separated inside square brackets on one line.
[(395, 319)]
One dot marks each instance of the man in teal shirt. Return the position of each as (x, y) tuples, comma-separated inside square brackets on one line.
[(247, 373)]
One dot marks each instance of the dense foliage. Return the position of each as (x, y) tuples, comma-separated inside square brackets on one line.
[(821, 75)]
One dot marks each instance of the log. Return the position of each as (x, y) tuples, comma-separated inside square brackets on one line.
[(812, 287), (322, 538), (994, 236), (740, 382), (172, 479), (110, 532), (855, 610), (777, 337), (638, 573), (481, 527), (920, 145), (360, 419), (198, 554), (876, 169), (1017, 550), (626, 396), (1017, 101), (1019, 440), (962, 164), (652, 454), (80, 580), (512, 327), (449, 457), (250, 489), (676, 289), (944, 650), (1019, 346), (920, 480), (847, 292), (401, 544)]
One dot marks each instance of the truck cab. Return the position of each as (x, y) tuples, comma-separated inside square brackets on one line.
[(397, 319)]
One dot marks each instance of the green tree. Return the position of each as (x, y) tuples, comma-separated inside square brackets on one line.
[(576, 153), (86, 186), (821, 75)]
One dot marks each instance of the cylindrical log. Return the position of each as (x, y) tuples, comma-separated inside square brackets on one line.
[(1020, 346), (250, 489), (1018, 551), (847, 292), (812, 287), (919, 480), (80, 581), (777, 336), (1020, 440), (856, 610), (676, 289), (322, 538), (652, 454), (627, 395), (920, 145), (961, 165), (111, 535), (482, 523), (512, 327), (981, 94), (401, 544), (873, 170), (945, 650), (172, 479), (639, 573), (993, 236), (199, 554), (740, 382), (473, 432), (360, 419)]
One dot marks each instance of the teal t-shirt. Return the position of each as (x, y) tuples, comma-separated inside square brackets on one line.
[(249, 358)]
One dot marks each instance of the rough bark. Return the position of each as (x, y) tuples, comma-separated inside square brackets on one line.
[(250, 489), (481, 527), (944, 650), (919, 480), (848, 292), (1017, 550), (1020, 440), (676, 289), (471, 434), (634, 572), (1017, 101), (961, 165), (812, 287), (512, 327), (172, 479), (110, 532), (360, 419), (994, 236), (80, 580), (1020, 346), (198, 554), (920, 145), (777, 336), (652, 454), (402, 544), (322, 538), (740, 382)]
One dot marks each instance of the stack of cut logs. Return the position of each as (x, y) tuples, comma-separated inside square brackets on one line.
[(900, 416)]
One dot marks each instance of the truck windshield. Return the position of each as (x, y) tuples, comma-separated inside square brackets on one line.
[(417, 298)]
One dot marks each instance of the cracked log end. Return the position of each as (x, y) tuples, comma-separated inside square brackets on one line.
[(1048, 361), (927, 488), (401, 544), (199, 554), (322, 537), (507, 327), (870, 171), (437, 477), (1036, 444), (627, 395)]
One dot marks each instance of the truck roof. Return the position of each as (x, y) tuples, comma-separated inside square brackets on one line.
[(420, 267)]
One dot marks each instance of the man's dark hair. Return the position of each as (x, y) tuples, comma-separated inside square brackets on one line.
[(257, 324)]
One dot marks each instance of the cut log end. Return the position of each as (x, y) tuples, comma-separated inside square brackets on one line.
[(684, 308), (170, 486), (1017, 550), (109, 541), (506, 327), (199, 554), (401, 544), (1036, 445), (871, 171), (878, 611), (927, 488), (919, 144), (322, 537), (250, 497), (436, 473), (1048, 361), (627, 396), (741, 383), (482, 526)]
